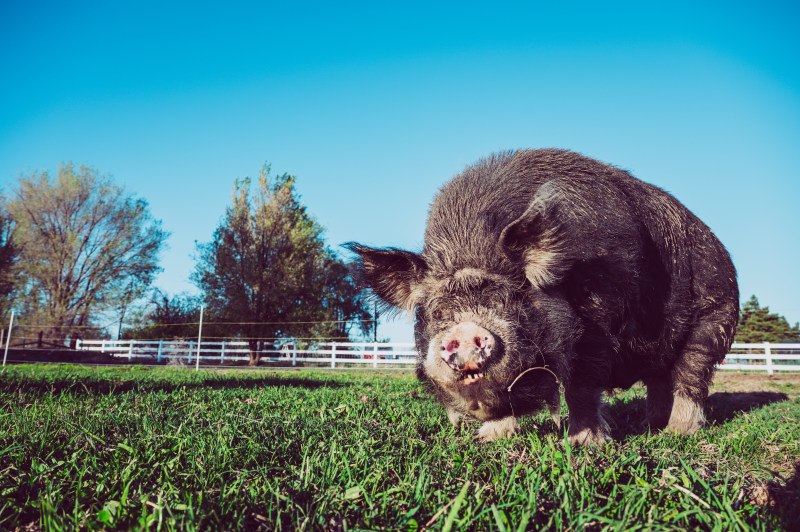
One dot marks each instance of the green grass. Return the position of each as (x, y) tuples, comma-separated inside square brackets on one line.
[(140, 448)]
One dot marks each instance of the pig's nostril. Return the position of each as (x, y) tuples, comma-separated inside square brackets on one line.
[(483, 343), (452, 345)]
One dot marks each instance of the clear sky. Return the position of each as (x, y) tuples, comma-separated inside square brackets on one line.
[(375, 105)]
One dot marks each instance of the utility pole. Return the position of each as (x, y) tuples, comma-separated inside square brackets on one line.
[(199, 338), (375, 329), (8, 338)]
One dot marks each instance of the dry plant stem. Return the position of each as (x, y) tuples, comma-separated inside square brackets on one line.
[(520, 376), (531, 369), (692, 495)]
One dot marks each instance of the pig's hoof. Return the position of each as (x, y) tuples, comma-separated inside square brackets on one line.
[(497, 430), (588, 436), (454, 417), (686, 417)]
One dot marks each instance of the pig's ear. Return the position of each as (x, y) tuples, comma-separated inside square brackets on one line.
[(393, 274), (537, 238)]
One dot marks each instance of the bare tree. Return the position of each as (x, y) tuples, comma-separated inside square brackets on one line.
[(85, 245), (9, 277), (165, 316)]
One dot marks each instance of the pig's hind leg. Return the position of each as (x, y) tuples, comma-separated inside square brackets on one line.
[(584, 390), (675, 406), (684, 394), (659, 401), (586, 423)]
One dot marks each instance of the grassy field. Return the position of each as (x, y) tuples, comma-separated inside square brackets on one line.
[(140, 448)]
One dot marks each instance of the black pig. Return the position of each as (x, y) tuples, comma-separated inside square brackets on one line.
[(550, 260)]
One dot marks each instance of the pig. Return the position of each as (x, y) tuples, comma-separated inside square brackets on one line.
[(543, 269)]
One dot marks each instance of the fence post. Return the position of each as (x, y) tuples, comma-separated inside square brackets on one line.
[(130, 350), (103, 347), (333, 355), (199, 339), (77, 344), (222, 353), (8, 337), (294, 356), (191, 348), (375, 355), (768, 354), (160, 348)]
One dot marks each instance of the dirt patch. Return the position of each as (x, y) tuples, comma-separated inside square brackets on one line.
[(788, 383)]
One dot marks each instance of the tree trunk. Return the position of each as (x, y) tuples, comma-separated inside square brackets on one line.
[(255, 352)]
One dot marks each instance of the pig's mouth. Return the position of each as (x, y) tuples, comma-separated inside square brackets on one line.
[(470, 373), (471, 367), (471, 376), (464, 356)]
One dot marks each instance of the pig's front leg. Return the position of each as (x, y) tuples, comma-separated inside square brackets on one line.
[(498, 429), (454, 416)]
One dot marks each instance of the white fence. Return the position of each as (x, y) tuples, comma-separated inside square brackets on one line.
[(218, 352), (766, 357), (762, 357)]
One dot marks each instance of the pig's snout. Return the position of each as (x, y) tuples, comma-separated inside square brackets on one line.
[(466, 347)]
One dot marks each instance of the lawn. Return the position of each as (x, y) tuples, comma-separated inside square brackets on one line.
[(163, 448)]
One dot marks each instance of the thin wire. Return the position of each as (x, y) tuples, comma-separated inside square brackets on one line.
[(256, 323), (531, 369), (197, 323)]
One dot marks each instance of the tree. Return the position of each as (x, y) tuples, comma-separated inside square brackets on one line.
[(8, 260), (166, 317), (268, 273), (757, 324), (84, 245)]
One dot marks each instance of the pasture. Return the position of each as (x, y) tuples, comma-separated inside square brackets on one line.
[(164, 448)]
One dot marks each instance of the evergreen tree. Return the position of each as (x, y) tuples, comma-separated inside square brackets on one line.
[(757, 324)]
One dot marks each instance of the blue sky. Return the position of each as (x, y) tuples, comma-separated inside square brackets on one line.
[(375, 105)]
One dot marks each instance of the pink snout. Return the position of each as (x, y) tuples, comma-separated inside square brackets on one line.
[(466, 346)]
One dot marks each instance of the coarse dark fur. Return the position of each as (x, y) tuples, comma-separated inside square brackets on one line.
[(561, 262)]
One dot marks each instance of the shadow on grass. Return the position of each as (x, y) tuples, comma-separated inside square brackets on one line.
[(629, 418), (114, 386), (721, 407), (785, 496)]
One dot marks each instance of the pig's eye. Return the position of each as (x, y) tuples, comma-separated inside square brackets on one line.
[(437, 314)]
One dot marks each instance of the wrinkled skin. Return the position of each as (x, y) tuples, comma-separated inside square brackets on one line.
[(544, 268)]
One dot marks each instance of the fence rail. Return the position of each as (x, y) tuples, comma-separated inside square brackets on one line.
[(333, 353), (764, 357)]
